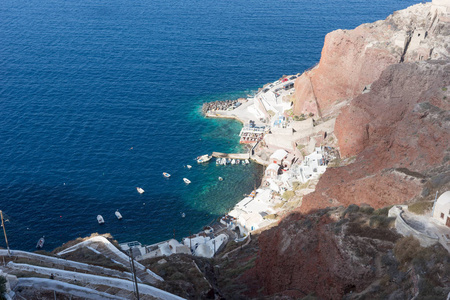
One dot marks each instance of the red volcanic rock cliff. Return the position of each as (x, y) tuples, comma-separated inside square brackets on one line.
[(317, 254), (353, 59), (399, 133)]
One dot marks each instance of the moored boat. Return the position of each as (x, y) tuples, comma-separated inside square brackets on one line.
[(238, 161), (233, 161), (100, 219), (247, 162), (187, 181), (118, 215), (140, 190), (40, 243), (218, 161), (167, 175), (204, 158)]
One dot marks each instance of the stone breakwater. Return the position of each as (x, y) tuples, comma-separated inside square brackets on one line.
[(218, 105)]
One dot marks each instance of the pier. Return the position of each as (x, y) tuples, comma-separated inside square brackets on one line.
[(231, 155)]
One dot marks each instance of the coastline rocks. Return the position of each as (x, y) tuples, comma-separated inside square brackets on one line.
[(398, 134), (220, 105), (353, 59)]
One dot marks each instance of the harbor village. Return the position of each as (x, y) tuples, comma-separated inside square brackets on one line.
[(294, 150)]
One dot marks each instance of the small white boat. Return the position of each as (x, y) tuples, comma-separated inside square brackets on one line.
[(183, 215), (243, 162), (188, 166), (238, 161), (233, 161), (40, 243), (220, 178), (140, 190), (167, 175), (203, 158), (218, 161), (100, 219), (186, 180), (118, 215), (247, 162)]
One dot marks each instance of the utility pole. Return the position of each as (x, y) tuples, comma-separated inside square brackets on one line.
[(4, 231), (133, 271)]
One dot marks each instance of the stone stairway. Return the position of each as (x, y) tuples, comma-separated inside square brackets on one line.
[(141, 272)]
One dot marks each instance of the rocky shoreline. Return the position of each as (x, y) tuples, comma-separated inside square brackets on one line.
[(221, 105)]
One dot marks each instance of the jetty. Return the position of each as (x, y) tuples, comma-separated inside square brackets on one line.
[(231, 155)]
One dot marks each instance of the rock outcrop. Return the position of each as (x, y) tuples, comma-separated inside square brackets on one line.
[(319, 254), (352, 59), (346, 253), (398, 134)]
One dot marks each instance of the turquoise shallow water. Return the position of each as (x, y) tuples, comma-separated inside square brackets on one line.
[(81, 82)]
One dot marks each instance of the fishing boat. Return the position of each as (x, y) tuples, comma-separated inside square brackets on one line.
[(188, 166), (100, 219), (40, 243), (186, 180), (118, 215), (140, 190), (167, 175), (203, 158)]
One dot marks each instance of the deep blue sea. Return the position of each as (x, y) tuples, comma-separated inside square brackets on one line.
[(99, 97)]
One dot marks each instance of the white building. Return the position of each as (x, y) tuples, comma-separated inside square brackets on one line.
[(272, 170), (441, 209), (278, 156), (312, 166)]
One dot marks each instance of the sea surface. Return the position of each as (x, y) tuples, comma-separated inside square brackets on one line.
[(100, 97)]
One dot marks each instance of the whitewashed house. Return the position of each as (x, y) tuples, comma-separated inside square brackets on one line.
[(441, 209), (312, 166), (278, 156), (272, 170)]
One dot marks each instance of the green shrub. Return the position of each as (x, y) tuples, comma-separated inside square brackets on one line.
[(368, 210), (420, 208), (381, 222), (352, 208), (382, 211), (288, 195), (406, 249)]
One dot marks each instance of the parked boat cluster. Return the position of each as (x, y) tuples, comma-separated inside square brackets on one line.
[(228, 161), (220, 105)]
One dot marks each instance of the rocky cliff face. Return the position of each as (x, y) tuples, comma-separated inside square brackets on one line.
[(353, 59), (347, 254), (398, 134)]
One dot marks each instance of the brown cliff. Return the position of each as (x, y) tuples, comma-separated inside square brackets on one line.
[(398, 133), (346, 253), (353, 59)]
